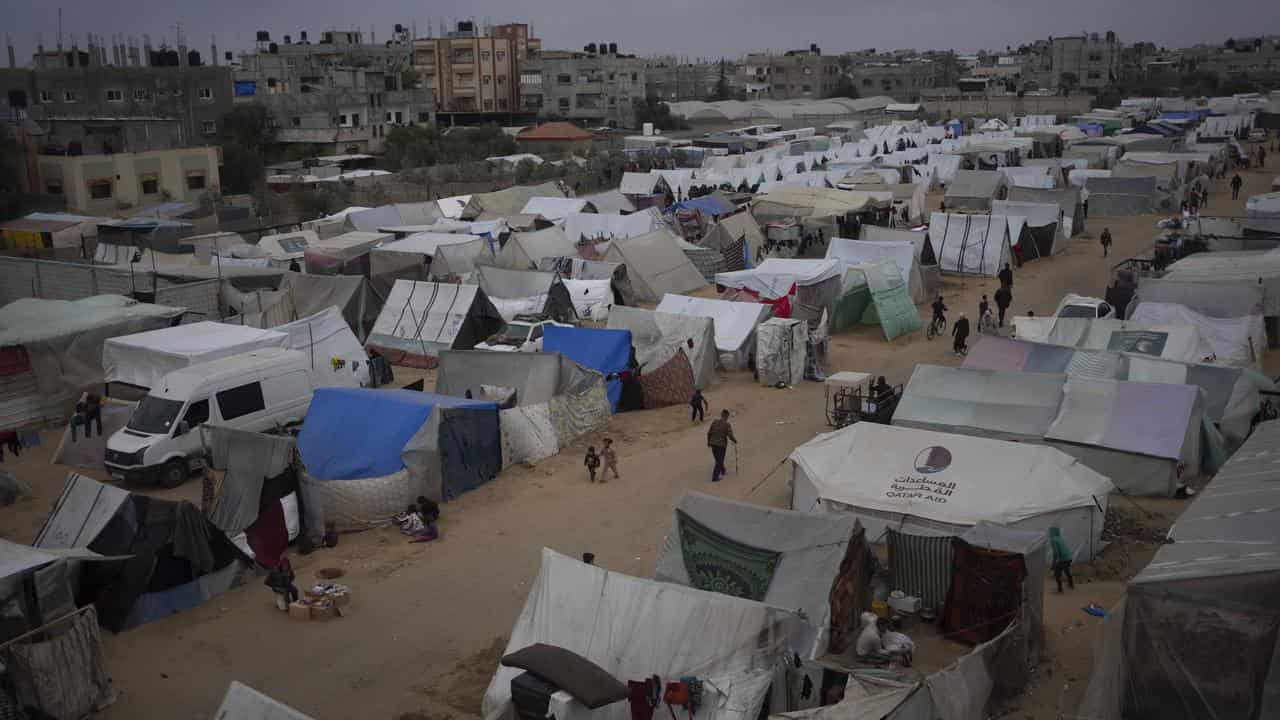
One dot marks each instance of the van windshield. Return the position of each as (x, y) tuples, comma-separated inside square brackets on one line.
[(155, 415)]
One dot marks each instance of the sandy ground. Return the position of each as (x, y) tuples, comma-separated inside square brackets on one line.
[(429, 622)]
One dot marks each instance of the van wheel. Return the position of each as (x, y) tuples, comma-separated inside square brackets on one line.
[(173, 474)]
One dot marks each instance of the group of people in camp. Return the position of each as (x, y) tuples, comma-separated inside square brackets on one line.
[(961, 329), (719, 435)]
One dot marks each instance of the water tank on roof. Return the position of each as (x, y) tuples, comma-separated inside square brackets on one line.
[(288, 40), (273, 48), (264, 36), (302, 36), (613, 48), (589, 48), (399, 28)]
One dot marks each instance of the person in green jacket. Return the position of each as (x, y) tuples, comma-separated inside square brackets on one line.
[(1061, 558)]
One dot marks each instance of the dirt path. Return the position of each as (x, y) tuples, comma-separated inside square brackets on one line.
[(429, 621)]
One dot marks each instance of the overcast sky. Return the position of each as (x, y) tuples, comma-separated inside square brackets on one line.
[(705, 28)]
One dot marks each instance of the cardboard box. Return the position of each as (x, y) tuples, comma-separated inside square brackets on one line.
[(299, 611)]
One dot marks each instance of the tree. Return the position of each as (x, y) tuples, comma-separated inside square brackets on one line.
[(246, 136), (1068, 81), (653, 110), (844, 88), (410, 147)]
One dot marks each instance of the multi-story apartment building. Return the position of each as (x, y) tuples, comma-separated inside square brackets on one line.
[(1256, 59), (593, 87), (795, 74), (1094, 60), (902, 75), (475, 70), (673, 79), (339, 94)]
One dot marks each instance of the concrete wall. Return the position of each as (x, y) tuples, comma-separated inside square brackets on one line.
[(1003, 106), (53, 280), (128, 174)]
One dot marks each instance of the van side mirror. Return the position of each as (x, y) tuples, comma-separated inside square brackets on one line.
[(184, 427)]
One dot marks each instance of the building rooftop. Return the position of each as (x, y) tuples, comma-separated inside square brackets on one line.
[(555, 132)]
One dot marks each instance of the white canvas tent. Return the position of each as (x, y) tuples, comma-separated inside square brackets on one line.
[(1015, 406), (600, 226), (974, 190), (901, 252), (1171, 341), (780, 351), (635, 628), (970, 244), (1068, 200), (734, 322), (775, 277), (420, 319), (655, 265), (524, 250), (932, 483), (810, 549), (657, 336), (337, 357), (143, 358), (1236, 341), (1043, 220), (555, 209)]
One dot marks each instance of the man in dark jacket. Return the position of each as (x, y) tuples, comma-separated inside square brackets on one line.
[(1106, 241), (718, 437), (1006, 276), (1004, 298), (1236, 182), (960, 331)]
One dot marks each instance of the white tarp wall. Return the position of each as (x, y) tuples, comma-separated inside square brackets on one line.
[(901, 252), (1181, 342), (634, 628), (735, 323), (780, 351), (970, 244), (143, 358), (932, 483), (1236, 341), (337, 357), (657, 336), (600, 226), (423, 318)]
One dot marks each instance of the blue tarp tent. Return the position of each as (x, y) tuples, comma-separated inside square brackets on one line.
[(605, 351), (448, 445), (711, 205)]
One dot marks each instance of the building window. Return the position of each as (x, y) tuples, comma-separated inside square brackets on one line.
[(162, 93), (46, 96), (866, 82), (488, 104), (342, 120), (115, 96), (53, 186), (399, 117), (150, 185), (206, 93), (501, 55), (355, 119), (295, 121), (424, 117), (388, 116), (502, 79), (100, 189), (502, 103), (70, 96), (195, 181), (208, 127), (141, 95), (1095, 75), (806, 88), (1095, 57), (484, 55), (564, 79), (564, 103), (488, 79)]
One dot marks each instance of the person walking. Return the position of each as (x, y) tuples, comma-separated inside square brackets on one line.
[(1004, 298), (1105, 239), (983, 308), (699, 404), (610, 460), (960, 331), (1061, 558), (718, 437), (1236, 182), (1262, 157), (1006, 276), (591, 462)]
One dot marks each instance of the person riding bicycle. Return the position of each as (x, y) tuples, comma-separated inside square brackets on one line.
[(939, 312)]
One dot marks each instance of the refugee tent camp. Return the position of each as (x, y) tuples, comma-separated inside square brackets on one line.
[(598, 226), (556, 209), (420, 319), (412, 258), (1043, 224), (346, 254), (337, 357), (932, 483), (547, 401), (526, 293), (1121, 196), (298, 295), (738, 238), (902, 253), (1167, 340), (1237, 341), (808, 286), (735, 324), (807, 563), (610, 202), (53, 350), (1262, 214), (1213, 299), (970, 244), (926, 259), (508, 201), (361, 474), (636, 628), (656, 265), (524, 250), (173, 557), (456, 262), (1016, 406), (1194, 635), (1030, 176), (975, 190), (658, 336), (607, 351), (1067, 199), (283, 248), (141, 359)]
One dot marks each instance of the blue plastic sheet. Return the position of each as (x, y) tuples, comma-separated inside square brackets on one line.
[(353, 433), (707, 205), (605, 351)]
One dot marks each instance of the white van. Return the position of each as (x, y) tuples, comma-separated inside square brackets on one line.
[(257, 391)]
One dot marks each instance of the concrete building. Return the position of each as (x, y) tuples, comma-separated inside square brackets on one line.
[(674, 79), (339, 94), (1093, 59), (476, 70), (107, 184), (1256, 59), (901, 75), (590, 88), (795, 74)]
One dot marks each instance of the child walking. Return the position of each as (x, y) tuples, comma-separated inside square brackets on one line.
[(610, 459), (592, 461)]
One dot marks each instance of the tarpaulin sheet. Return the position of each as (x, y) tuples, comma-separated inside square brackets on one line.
[(143, 358), (336, 443), (891, 301), (605, 351)]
